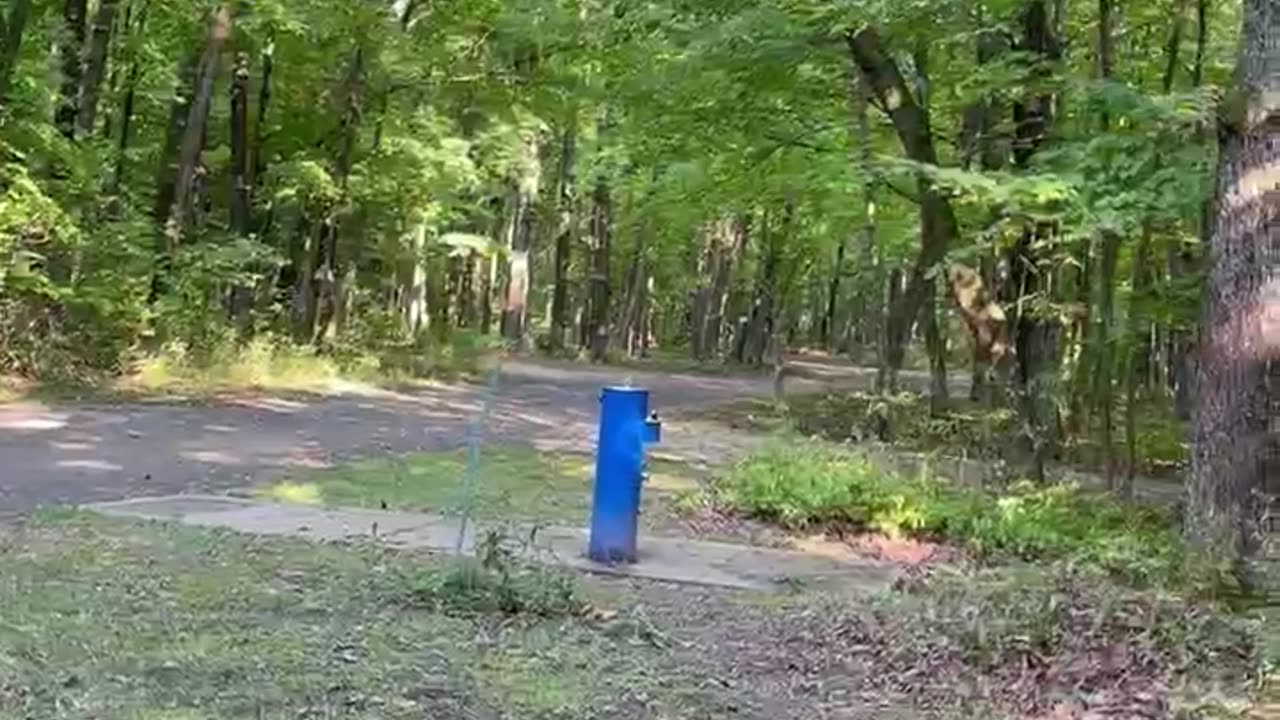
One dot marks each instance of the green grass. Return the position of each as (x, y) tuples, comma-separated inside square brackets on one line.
[(805, 483), (106, 619), (512, 483)]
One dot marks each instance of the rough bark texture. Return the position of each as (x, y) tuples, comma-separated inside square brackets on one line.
[(193, 133), (1231, 447), (12, 28), (70, 49), (95, 67), (566, 202)]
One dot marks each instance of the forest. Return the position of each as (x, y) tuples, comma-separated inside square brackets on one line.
[(1023, 191)]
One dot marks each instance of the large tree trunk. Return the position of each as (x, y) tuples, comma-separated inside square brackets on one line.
[(12, 29), (1240, 333), (193, 133), (566, 201), (95, 67), (70, 49)]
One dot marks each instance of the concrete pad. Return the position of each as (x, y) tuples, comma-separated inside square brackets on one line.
[(668, 559)]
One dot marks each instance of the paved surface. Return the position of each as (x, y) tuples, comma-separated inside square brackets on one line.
[(668, 559), (52, 454)]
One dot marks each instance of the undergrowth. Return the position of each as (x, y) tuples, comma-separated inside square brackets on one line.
[(1066, 642), (500, 579), (273, 363), (802, 484)]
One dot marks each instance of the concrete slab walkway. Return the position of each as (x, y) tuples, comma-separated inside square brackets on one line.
[(669, 559)]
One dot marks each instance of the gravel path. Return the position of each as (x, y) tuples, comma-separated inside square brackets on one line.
[(54, 454)]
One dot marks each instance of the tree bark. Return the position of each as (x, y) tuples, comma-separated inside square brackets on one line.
[(1239, 327), (938, 226), (241, 183), (566, 200), (1137, 349), (1033, 115), (331, 285), (515, 313), (70, 57), (595, 326), (1104, 348), (936, 343), (12, 29), (193, 134), (1202, 42), (95, 67), (721, 242)]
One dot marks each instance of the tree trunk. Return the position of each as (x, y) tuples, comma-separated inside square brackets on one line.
[(257, 162), (1239, 329), (95, 67), (240, 300), (12, 29), (936, 342), (194, 131), (332, 281), (595, 326), (515, 312), (1032, 116), (1104, 345), (566, 200), (722, 240), (1202, 42), (887, 374), (1137, 346), (241, 182), (70, 57), (938, 226)]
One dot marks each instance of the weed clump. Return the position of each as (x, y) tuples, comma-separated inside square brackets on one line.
[(501, 579)]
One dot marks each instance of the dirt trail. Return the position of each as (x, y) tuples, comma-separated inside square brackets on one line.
[(70, 453)]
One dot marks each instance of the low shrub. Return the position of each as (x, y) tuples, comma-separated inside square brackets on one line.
[(802, 484)]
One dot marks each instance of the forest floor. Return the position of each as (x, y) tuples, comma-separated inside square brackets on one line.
[(117, 619)]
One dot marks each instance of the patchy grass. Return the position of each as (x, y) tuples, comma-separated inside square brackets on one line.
[(512, 483), (130, 621), (801, 484), (104, 618)]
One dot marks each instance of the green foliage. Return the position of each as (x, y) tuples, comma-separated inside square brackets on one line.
[(803, 484), (501, 579)]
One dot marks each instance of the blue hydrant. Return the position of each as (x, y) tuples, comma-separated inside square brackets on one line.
[(626, 426)]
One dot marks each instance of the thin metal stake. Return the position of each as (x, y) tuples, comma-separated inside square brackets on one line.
[(474, 440)]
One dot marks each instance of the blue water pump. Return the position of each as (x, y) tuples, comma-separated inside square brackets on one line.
[(626, 426)]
